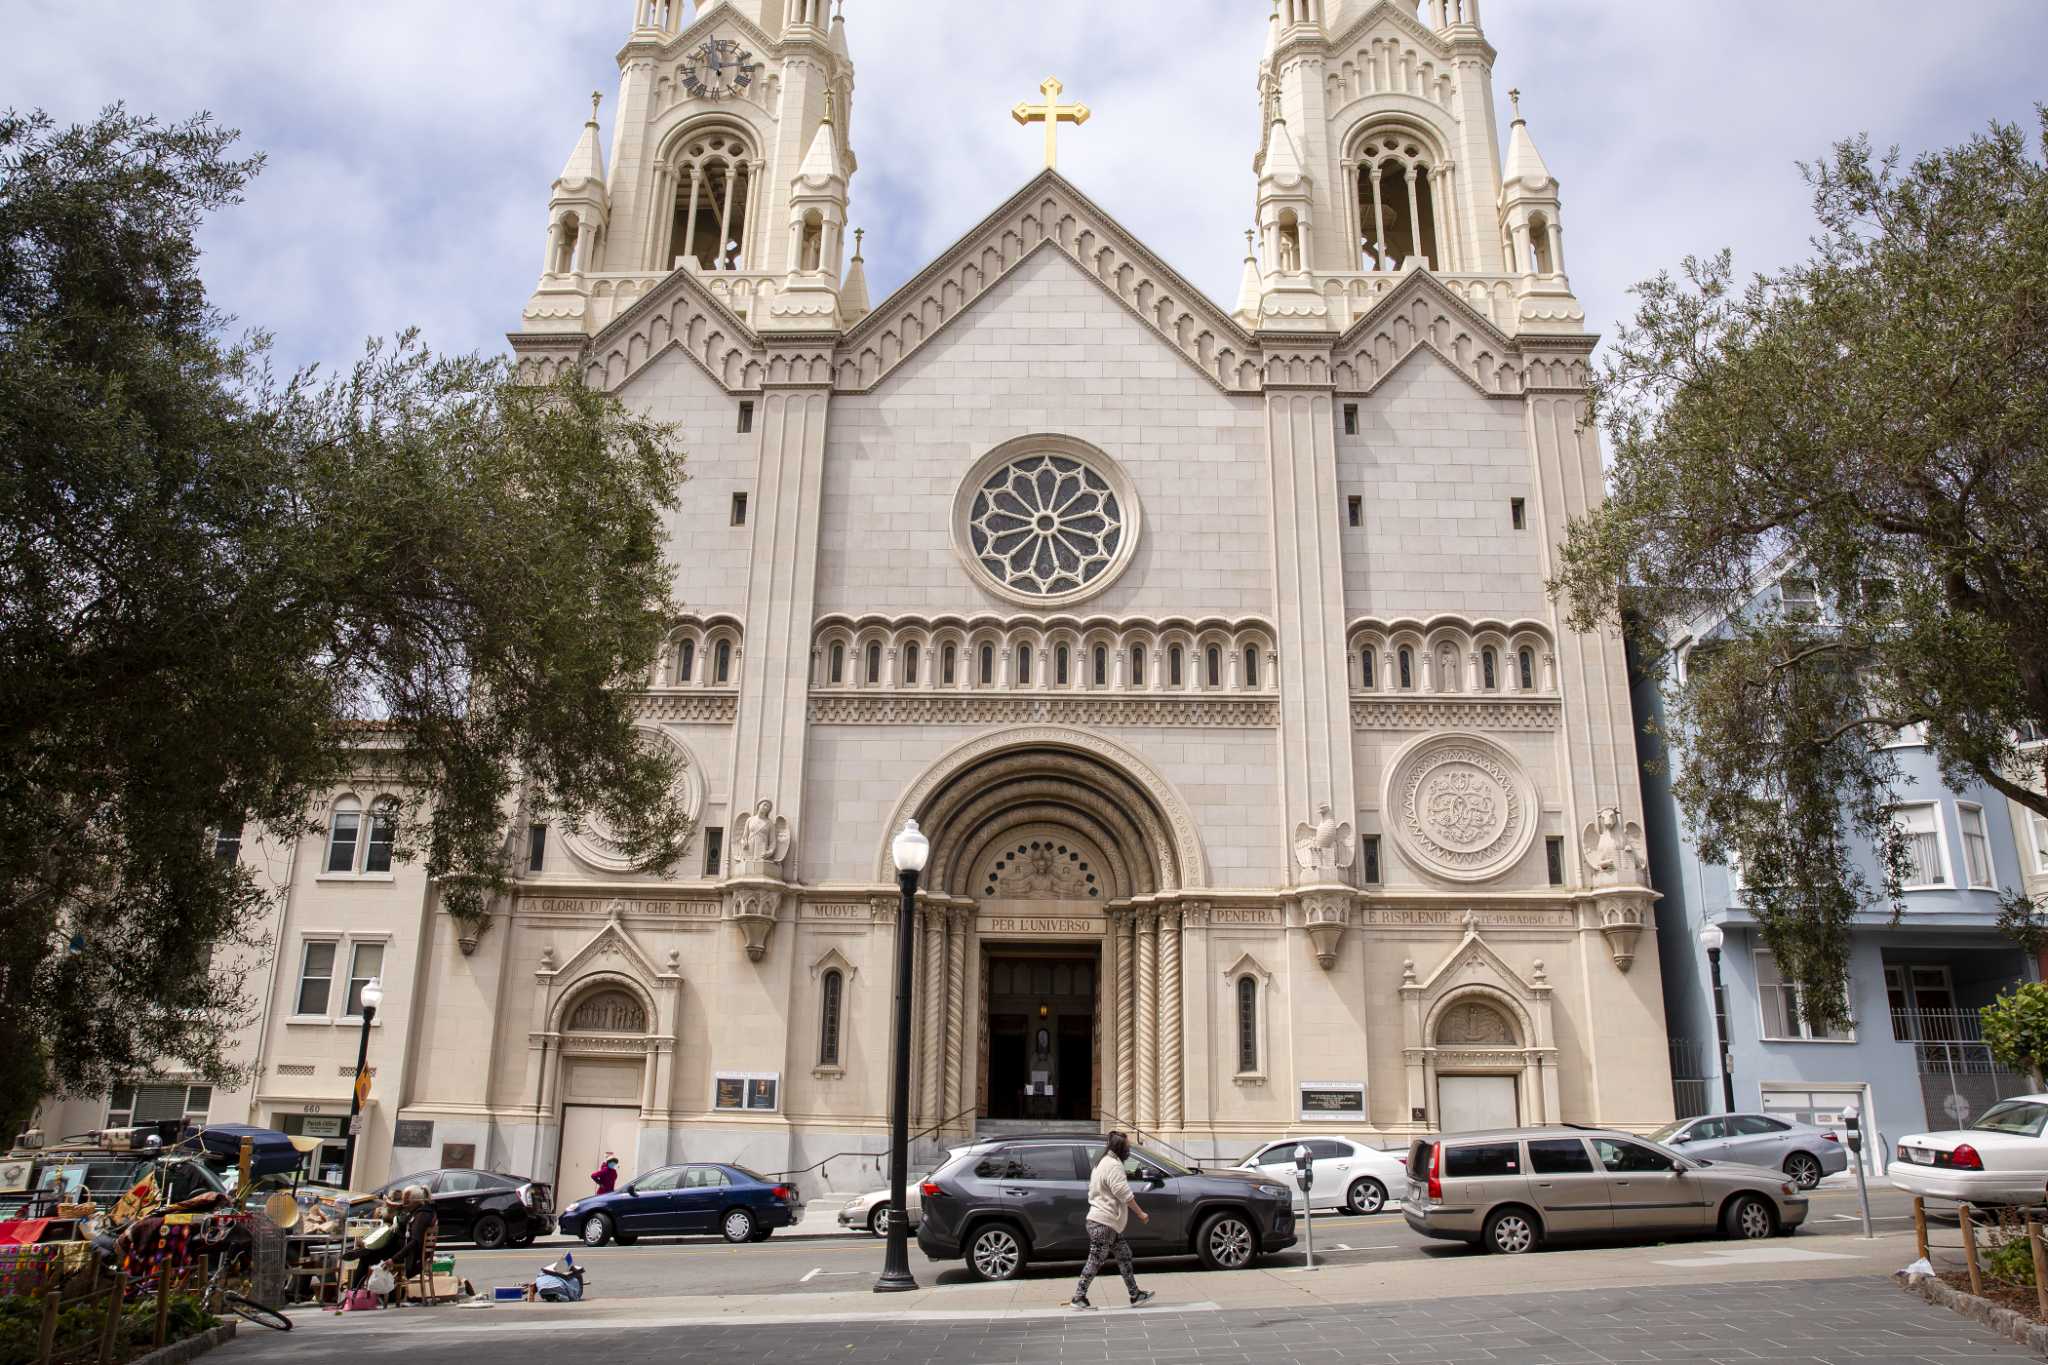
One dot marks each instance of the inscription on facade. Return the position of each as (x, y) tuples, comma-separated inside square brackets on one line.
[(666, 909), (839, 911), (1064, 926), (1223, 915), (1485, 919)]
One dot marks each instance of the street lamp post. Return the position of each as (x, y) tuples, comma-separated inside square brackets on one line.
[(910, 849), (373, 996), (1711, 939)]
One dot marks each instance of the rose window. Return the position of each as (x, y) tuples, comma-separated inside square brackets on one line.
[(1046, 526)]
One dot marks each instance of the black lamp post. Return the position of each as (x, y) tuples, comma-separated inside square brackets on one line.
[(373, 996), (1711, 939), (910, 849)]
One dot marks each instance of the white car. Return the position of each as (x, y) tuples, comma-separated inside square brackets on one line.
[(1349, 1175), (2002, 1158), (871, 1210)]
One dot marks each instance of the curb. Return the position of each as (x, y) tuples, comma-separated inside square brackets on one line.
[(180, 1351), (2014, 1326)]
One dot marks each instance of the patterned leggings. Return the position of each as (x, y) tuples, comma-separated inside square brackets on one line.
[(1102, 1242)]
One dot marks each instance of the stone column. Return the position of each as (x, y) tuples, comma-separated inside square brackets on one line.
[(934, 990), (1123, 925), (1172, 1011), (1147, 1115), (956, 1001)]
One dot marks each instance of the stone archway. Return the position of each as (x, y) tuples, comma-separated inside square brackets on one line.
[(1052, 843)]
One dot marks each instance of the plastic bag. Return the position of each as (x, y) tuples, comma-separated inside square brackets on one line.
[(380, 1282), (1921, 1269)]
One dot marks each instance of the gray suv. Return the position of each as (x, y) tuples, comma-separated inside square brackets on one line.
[(1513, 1190), (1004, 1203)]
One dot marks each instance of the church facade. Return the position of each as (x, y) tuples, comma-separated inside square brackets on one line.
[(1208, 645)]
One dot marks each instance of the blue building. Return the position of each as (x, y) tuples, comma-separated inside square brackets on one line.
[(1914, 1056)]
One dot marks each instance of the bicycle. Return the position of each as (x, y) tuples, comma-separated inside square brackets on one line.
[(240, 1304)]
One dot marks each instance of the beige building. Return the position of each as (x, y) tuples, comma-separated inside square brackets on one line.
[(1209, 646)]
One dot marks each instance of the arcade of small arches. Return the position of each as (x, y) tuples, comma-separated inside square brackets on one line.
[(1440, 657), (1404, 204), (1071, 655), (702, 653), (709, 174)]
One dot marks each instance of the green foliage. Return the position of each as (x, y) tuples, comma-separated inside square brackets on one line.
[(1871, 420), (224, 594), (79, 1324), (2011, 1262), (2016, 1029)]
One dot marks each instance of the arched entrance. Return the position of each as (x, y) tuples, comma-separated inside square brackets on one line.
[(607, 1073), (1049, 973)]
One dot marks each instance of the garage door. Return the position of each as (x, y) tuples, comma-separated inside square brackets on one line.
[(1820, 1107), (1469, 1104)]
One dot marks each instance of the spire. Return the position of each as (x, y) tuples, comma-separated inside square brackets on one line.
[(821, 164), (586, 163), (1283, 163), (1249, 290), (1273, 32), (853, 294), (1524, 162), (839, 31)]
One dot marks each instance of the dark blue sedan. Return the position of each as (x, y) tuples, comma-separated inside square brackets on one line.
[(738, 1204)]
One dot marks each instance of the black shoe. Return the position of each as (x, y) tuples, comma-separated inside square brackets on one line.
[(1083, 1305), (1142, 1297)]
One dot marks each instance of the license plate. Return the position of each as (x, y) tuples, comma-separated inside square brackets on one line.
[(1921, 1155)]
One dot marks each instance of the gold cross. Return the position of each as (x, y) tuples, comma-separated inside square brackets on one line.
[(1052, 114)]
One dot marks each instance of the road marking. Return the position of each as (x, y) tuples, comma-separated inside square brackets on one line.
[(822, 1271), (1758, 1256)]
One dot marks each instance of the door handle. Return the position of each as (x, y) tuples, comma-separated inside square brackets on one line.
[(1017, 1193)]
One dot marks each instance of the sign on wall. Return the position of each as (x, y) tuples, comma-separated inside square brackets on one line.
[(746, 1091), (1332, 1101), (321, 1126), (414, 1133), (458, 1156)]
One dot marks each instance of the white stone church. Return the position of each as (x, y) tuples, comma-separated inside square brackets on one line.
[(1208, 643)]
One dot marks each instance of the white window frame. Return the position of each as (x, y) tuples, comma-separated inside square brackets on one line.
[(366, 813), (2037, 837), (123, 1118), (1795, 1018), (1948, 873), (342, 973), (1990, 880), (356, 945)]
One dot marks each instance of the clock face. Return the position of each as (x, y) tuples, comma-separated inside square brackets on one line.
[(719, 68)]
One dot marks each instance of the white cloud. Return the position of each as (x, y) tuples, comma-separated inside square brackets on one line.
[(411, 144)]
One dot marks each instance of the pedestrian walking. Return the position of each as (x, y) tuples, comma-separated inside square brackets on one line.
[(606, 1175), (1110, 1204)]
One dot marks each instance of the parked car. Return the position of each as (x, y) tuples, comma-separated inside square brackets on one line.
[(1800, 1150), (738, 1204), (1348, 1174), (1006, 1202), (2002, 1158), (1513, 1190), (489, 1208), (871, 1211)]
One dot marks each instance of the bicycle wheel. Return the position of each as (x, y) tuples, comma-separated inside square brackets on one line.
[(251, 1311)]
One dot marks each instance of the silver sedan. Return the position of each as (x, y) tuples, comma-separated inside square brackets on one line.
[(1803, 1152), (871, 1210)]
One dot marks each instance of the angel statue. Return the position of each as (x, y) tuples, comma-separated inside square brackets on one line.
[(1614, 850), (1325, 846), (762, 838)]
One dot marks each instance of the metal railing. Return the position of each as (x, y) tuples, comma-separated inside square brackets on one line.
[(1691, 1078), (1959, 1078)]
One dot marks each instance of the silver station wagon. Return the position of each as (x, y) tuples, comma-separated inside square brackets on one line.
[(1513, 1190)]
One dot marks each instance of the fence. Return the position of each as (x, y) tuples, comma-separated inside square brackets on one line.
[(1691, 1081), (1959, 1078)]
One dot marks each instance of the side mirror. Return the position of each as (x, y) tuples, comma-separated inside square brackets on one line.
[(1681, 1139)]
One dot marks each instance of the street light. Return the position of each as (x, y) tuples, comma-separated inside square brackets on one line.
[(910, 849), (372, 996), (1711, 938)]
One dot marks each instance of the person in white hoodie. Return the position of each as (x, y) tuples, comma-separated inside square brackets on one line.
[(1110, 1204)]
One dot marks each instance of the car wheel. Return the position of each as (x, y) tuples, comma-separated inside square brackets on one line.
[(762, 1234), (1804, 1169), (1227, 1242), (597, 1230), (1511, 1232), (737, 1225), (1749, 1218), (489, 1232), (1366, 1196), (878, 1221), (996, 1252)]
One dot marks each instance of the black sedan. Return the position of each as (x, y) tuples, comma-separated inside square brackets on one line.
[(488, 1208)]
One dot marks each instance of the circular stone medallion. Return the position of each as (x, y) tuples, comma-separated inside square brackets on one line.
[(597, 844), (1462, 807)]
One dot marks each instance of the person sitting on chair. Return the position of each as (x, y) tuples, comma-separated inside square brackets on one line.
[(405, 1253)]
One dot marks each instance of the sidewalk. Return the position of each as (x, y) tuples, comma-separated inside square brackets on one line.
[(1336, 1286)]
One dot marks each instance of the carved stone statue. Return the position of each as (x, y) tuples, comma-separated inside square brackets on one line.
[(762, 838), (1324, 846), (1614, 850)]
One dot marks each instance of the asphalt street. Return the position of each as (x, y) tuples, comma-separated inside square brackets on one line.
[(1831, 1320), (660, 1267)]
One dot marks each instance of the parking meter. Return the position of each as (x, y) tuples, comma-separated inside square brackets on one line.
[(1305, 1176), (1852, 1128)]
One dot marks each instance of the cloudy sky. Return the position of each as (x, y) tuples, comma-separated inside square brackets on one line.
[(411, 142)]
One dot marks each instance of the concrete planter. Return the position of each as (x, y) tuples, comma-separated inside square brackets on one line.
[(2004, 1321), (179, 1352)]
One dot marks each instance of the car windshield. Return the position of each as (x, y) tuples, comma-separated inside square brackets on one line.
[(1164, 1165), (1669, 1131), (2021, 1118)]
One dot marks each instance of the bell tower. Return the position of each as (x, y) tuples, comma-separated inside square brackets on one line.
[(1380, 155), (731, 139)]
